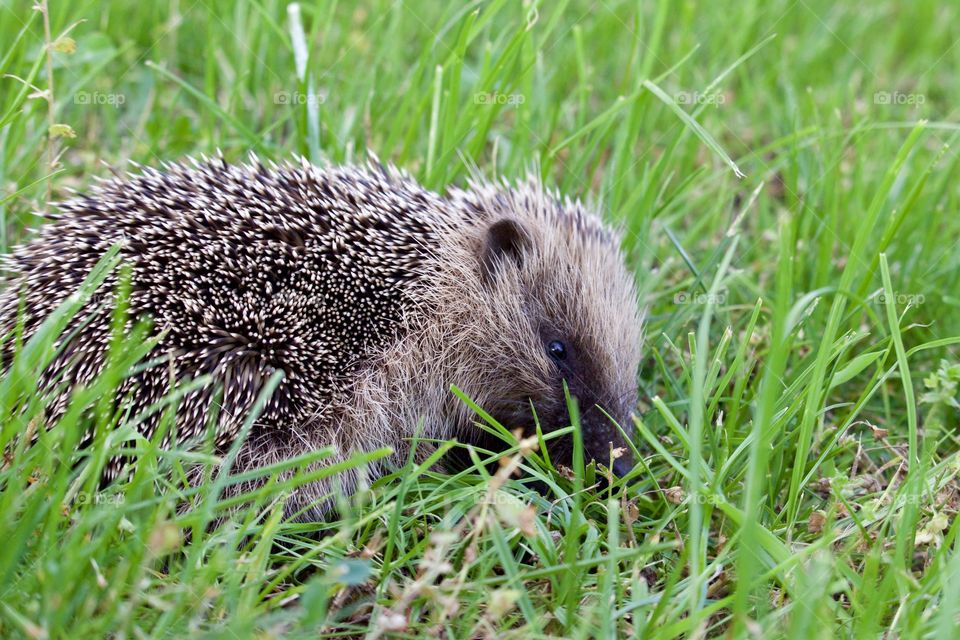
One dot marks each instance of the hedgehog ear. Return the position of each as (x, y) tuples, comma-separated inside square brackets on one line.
[(506, 240)]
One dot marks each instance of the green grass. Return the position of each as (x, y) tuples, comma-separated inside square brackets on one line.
[(797, 425)]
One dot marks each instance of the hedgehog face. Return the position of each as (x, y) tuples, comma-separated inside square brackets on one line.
[(564, 312)]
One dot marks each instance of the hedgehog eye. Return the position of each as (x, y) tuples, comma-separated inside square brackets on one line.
[(557, 350)]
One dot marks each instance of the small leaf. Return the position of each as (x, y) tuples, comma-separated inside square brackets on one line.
[(879, 433), (164, 539), (351, 571), (502, 601), (938, 522), (854, 367), (512, 512), (674, 495), (816, 522), (65, 44), (315, 601), (62, 131)]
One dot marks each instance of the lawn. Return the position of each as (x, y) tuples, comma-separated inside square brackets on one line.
[(785, 175)]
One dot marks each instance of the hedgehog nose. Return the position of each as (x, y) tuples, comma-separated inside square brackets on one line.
[(622, 466)]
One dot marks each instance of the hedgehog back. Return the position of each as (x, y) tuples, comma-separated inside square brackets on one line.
[(245, 269)]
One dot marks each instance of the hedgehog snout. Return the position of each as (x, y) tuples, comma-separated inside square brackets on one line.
[(602, 439)]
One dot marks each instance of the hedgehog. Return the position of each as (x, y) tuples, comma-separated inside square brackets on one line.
[(373, 295)]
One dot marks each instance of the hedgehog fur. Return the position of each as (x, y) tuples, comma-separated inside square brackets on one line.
[(370, 293)]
